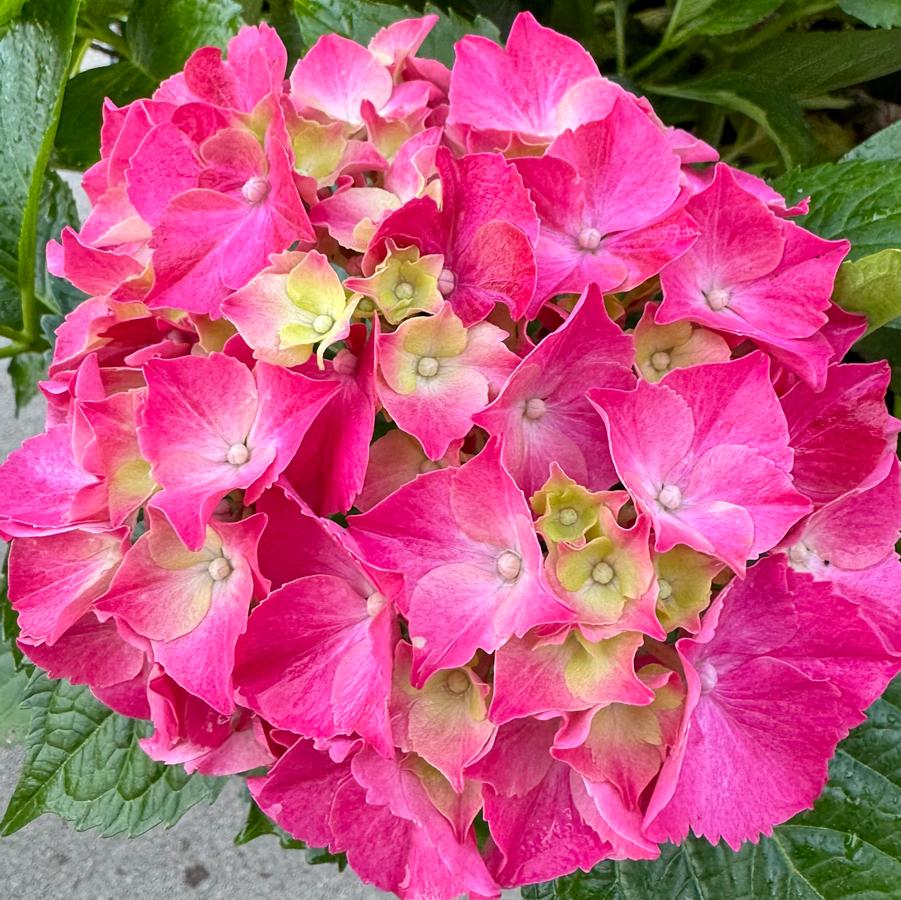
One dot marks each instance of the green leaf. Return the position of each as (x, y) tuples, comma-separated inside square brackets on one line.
[(858, 200), (884, 344), (885, 144), (35, 53), (848, 846), (875, 13), (14, 718), (871, 286), (84, 764), (259, 824), (713, 17), (282, 18), (360, 21), (78, 136), (57, 209), (9, 9), (808, 64), (162, 34), (778, 115), (25, 371), (9, 625)]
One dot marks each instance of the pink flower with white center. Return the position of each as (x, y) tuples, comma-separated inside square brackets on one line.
[(542, 416), (783, 667), (189, 606), (210, 426), (463, 540), (435, 375), (706, 455), (750, 272)]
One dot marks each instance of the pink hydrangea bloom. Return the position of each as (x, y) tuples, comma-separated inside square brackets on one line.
[(455, 448)]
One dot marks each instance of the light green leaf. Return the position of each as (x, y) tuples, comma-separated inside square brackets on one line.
[(84, 764), (875, 13), (360, 21), (78, 137), (9, 9), (885, 144), (778, 115), (714, 17), (858, 200), (871, 286), (35, 51), (162, 34), (808, 64), (847, 848)]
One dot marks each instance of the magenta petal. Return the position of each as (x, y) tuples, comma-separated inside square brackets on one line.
[(317, 660), (772, 688), (54, 580), (586, 351)]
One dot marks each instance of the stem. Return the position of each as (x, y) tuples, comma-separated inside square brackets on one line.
[(105, 35), (11, 333), (13, 350), (780, 24), (619, 25)]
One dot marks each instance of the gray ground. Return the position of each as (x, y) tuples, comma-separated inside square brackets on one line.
[(196, 859)]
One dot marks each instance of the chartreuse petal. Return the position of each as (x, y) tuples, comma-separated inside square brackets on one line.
[(684, 578), (323, 307), (404, 283), (566, 510)]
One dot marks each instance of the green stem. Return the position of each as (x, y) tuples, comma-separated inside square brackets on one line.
[(105, 35), (11, 333), (13, 350), (780, 24), (620, 11)]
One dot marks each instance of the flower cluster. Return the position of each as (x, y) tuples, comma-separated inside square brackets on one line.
[(465, 447)]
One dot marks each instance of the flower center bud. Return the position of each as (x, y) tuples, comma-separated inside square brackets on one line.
[(458, 682), (403, 290), (237, 454), (602, 573), (708, 677), (219, 568), (535, 408), (670, 497), (589, 239), (418, 641), (375, 603), (427, 366), (798, 555), (664, 589), (567, 516), (661, 360), (323, 324), (447, 281), (509, 565), (255, 189), (717, 299)]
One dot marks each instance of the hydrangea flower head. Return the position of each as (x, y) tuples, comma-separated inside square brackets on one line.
[(457, 449)]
